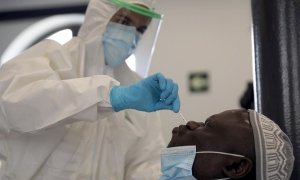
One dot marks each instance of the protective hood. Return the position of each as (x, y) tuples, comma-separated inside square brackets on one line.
[(149, 3), (98, 14)]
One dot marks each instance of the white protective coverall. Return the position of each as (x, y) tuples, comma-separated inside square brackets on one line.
[(56, 120)]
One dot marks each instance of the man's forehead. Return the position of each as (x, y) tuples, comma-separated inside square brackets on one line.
[(237, 115)]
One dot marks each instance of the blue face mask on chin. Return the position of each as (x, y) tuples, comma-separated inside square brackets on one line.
[(119, 42), (177, 162)]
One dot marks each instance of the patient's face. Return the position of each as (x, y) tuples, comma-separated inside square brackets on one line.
[(229, 131)]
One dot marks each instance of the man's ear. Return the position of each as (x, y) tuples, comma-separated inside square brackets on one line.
[(238, 167)]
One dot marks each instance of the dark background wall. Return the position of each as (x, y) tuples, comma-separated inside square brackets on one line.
[(276, 28)]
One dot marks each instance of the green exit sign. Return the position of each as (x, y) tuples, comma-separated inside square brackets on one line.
[(199, 82)]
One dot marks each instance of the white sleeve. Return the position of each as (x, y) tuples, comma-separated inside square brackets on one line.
[(40, 89), (143, 159)]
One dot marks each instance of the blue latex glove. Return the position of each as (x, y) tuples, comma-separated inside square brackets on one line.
[(150, 94)]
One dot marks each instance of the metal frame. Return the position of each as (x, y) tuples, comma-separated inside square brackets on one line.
[(40, 30)]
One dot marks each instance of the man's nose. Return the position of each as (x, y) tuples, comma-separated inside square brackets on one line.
[(192, 125)]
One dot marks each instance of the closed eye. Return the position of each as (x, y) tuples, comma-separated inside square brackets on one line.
[(141, 29), (207, 123)]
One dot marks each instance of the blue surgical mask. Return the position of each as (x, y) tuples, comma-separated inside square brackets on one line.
[(119, 42), (177, 162)]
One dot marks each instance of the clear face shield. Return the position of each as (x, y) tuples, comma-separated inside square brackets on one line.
[(142, 27)]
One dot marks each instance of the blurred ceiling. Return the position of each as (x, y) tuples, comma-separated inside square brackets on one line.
[(20, 9)]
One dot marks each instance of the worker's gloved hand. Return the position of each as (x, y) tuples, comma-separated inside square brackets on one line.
[(150, 94)]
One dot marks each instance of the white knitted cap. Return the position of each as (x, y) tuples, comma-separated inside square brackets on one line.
[(273, 148)]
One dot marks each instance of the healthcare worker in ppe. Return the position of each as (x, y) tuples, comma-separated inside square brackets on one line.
[(61, 112)]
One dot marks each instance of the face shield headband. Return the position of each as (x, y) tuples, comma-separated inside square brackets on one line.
[(138, 9)]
